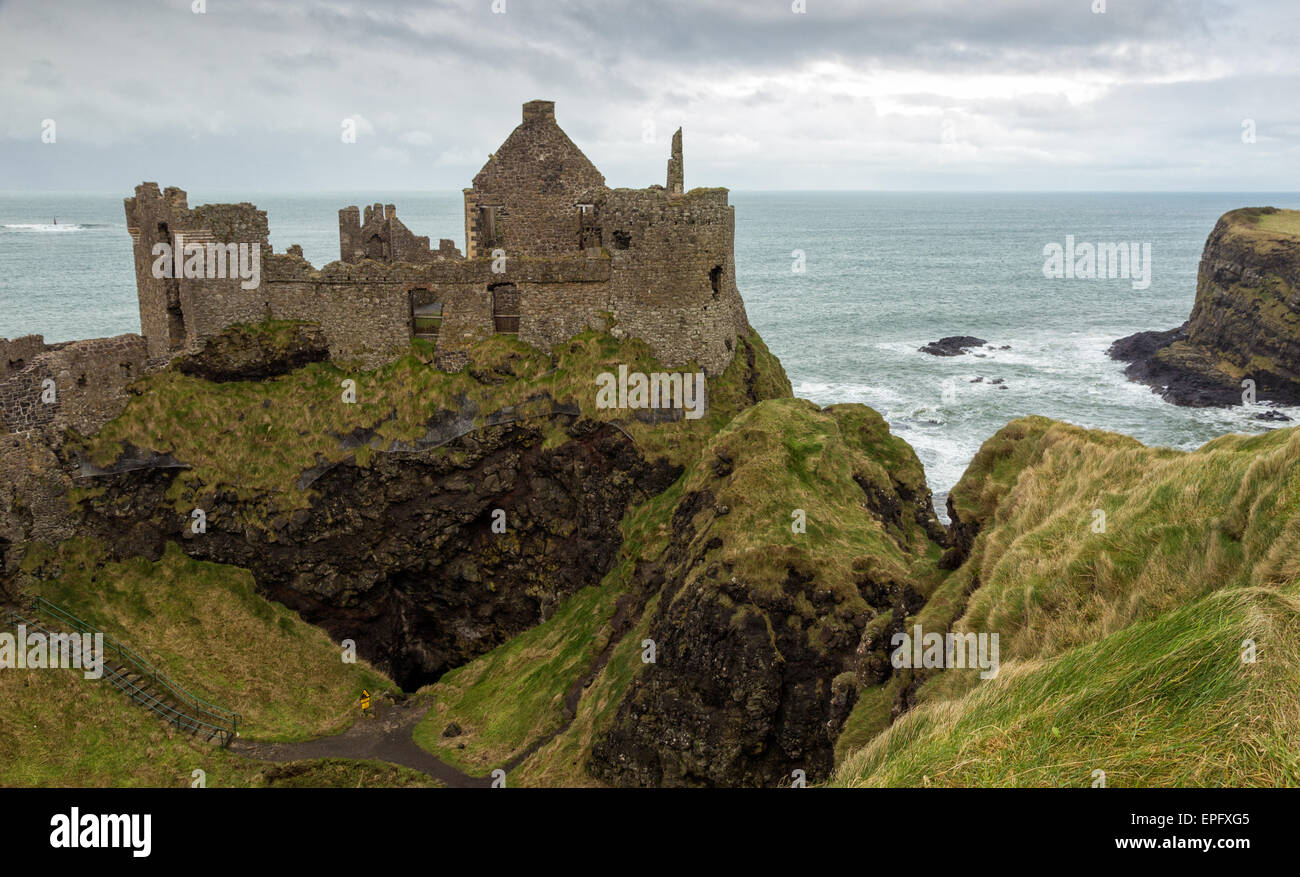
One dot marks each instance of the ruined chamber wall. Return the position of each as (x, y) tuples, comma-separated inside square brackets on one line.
[(535, 180), (90, 379)]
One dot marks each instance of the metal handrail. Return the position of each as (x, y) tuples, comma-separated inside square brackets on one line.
[(220, 722)]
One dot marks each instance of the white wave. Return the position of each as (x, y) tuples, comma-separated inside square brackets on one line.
[(51, 227)]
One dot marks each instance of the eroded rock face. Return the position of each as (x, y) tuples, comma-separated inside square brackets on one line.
[(759, 642), (253, 353), (744, 691), (400, 555), (1245, 322)]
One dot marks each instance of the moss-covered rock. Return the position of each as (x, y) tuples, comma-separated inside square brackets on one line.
[(797, 527), (254, 352)]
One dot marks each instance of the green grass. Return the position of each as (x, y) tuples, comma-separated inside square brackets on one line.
[(61, 730), (1120, 650), (1167, 702), (204, 626), (256, 438), (1281, 222)]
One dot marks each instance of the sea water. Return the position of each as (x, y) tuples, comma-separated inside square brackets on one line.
[(843, 287)]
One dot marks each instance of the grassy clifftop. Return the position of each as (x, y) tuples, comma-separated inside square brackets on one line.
[(1121, 645), (255, 439)]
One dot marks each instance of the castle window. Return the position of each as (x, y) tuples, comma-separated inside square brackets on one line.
[(426, 315), (622, 240), (505, 308), (715, 279), (588, 227), (488, 233)]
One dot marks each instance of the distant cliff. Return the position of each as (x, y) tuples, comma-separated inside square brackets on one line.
[(1245, 323)]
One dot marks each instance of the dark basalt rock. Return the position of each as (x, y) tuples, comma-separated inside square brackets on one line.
[(953, 345), (253, 353), (754, 674), (1244, 323), (400, 555), (1178, 374)]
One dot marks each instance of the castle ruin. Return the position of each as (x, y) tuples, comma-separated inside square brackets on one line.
[(550, 251)]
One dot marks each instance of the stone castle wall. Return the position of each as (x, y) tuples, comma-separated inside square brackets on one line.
[(575, 252), (90, 379)]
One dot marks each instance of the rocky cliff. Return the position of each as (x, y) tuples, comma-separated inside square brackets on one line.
[(1245, 323), (801, 533), (429, 520)]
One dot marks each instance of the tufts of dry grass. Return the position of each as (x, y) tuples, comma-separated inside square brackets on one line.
[(1121, 650)]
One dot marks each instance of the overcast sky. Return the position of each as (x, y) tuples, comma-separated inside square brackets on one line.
[(906, 94)]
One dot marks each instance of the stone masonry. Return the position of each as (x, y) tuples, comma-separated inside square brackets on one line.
[(77, 384), (550, 251)]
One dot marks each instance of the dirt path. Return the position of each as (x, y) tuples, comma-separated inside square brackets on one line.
[(387, 735), (384, 737)]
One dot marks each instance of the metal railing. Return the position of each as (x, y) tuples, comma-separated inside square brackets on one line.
[(150, 687)]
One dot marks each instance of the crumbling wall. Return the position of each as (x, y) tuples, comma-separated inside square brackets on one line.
[(383, 237), (178, 313), (16, 354), (676, 172), (88, 390)]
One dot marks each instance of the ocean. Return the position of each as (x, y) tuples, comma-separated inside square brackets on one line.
[(881, 274)]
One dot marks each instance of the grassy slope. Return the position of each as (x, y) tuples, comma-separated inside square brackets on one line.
[(1120, 650), (201, 624), (62, 731), (507, 703)]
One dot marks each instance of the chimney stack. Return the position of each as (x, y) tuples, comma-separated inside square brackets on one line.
[(540, 110)]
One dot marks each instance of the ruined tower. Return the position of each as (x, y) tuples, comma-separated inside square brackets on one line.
[(676, 181)]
